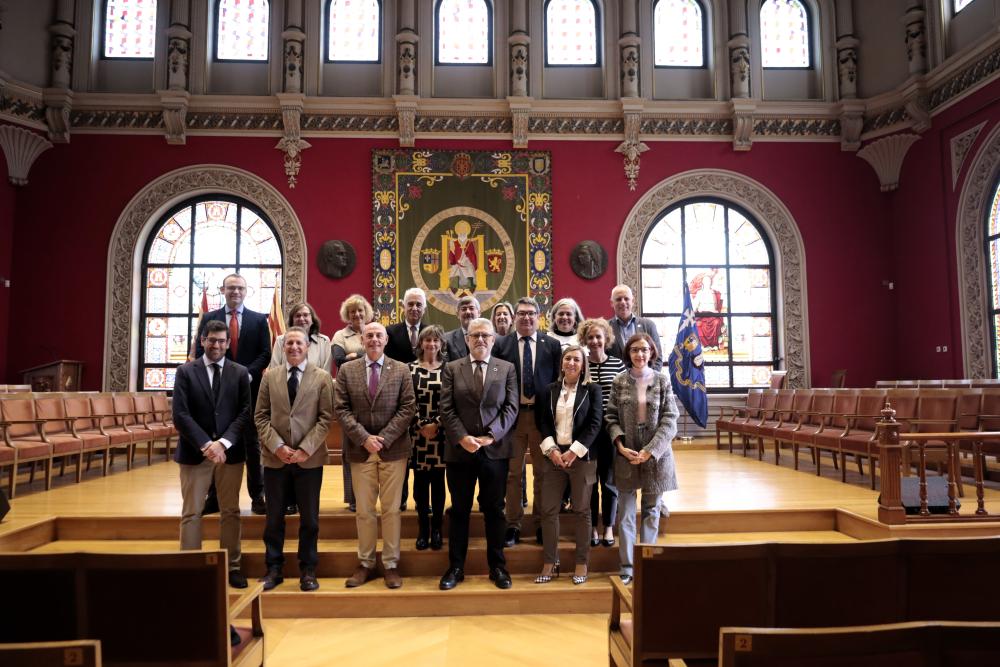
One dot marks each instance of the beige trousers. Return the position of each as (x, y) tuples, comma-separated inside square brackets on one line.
[(381, 480), (195, 480), (526, 439)]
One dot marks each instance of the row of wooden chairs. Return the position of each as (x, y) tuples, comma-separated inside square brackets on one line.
[(954, 384), (48, 427), (842, 422)]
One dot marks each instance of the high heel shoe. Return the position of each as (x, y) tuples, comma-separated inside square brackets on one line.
[(580, 578), (609, 542), (546, 578), (594, 541)]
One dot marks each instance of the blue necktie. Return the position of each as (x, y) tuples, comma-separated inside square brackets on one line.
[(527, 370)]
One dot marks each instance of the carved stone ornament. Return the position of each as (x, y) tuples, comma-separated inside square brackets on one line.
[(589, 260), (58, 105), (916, 40), (293, 66), (406, 46), (62, 55), (178, 48), (21, 148), (778, 224), (136, 222), (847, 66), (406, 110), (974, 298), (520, 116), (886, 157), (336, 259), (632, 148), (629, 46), (743, 124), (292, 144), (739, 66), (960, 145), (852, 121), (175, 106), (518, 65)]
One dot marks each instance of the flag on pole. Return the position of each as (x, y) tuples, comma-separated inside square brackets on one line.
[(204, 300), (276, 319), (202, 309), (687, 370)]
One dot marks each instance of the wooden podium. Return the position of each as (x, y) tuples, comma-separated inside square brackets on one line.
[(62, 375)]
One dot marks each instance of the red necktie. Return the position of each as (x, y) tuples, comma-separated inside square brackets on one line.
[(234, 334)]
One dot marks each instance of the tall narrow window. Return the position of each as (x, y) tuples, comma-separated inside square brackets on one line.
[(961, 4), (464, 32), (129, 28), (571, 32), (241, 29), (993, 254), (188, 254), (721, 256), (678, 34), (784, 34), (353, 31)]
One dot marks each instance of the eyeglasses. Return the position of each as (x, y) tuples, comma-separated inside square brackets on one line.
[(639, 350), (216, 341), (527, 313)]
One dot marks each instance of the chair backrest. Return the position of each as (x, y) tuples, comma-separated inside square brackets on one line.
[(954, 384), (783, 406), (903, 384), (79, 653), (904, 402), (103, 404), (161, 403), (768, 399), (970, 401), (52, 408), (800, 403), (778, 379), (124, 404), (838, 379), (975, 558), (754, 397), (930, 383), (845, 402), (937, 404), (14, 409), (989, 410), (870, 404), (142, 403), (885, 383), (79, 407), (822, 406)]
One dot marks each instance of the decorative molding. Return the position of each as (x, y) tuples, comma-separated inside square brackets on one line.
[(576, 125), (795, 127), (974, 203), (175, 105), (104, 119), (960, 145), (291, 143), (852, 120), (27, 111), (21, 148), (777, 222), (687, 127), (406, 111), (632, 147), (58, 105), (471, 124), (520, 117), (121, 325), (359, 124), (886, 157), (406, 70), (976, 73), (743, 124)]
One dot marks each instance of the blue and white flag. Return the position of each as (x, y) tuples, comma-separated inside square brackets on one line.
[(686, 366)]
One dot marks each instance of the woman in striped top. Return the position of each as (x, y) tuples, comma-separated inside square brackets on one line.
[(595, 334)]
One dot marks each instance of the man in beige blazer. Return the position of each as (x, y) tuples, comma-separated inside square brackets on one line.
[(293, 414), (375, 404)]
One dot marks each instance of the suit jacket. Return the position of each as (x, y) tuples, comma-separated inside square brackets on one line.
[(300, 426), (495, 414), (546, 357), (199, 419), (642, 325), (588, 413), (388, 415), (455, 345), (398, 346), (253, 348)]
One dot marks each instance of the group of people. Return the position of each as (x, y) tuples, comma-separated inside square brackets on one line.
[(461, 408)]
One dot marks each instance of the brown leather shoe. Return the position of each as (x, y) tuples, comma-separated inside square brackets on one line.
[(392, 578), (361, 576)]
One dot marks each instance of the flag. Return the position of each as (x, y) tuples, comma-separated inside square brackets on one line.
[(687, 370), (201, 311), (276, 319), (204, 300)]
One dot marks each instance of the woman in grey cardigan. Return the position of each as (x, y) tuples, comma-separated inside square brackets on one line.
[(641, 419)]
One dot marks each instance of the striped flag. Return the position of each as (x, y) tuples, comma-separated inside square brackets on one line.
[(276, 319)]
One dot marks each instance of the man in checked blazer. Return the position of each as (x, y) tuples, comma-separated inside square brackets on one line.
[(625, 324), (375, 404), (294, 409)]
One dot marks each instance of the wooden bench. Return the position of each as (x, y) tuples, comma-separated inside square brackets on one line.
[(892, 645), (151, 609), (79, 653)]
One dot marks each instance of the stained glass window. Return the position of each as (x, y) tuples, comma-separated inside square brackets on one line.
[(784, 33), (719, 254), (189, 253), (678, 34), (571, 32), (241, 29), (961, 4), (993, 253), (129, 28), (464, 32), (353, 31)]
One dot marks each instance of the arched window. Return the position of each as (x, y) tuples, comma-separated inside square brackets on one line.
[(571, 33), (723, 258), (129, 28), (784, 34), (960, 5), (193, 247), (463, 32), (678, 33), (353, 29), (993, 255), (241, 28)]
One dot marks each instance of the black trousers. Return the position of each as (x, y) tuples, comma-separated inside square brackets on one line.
[(605, 507), (255, 472), (307, 483), (428, 494), (492, 477)]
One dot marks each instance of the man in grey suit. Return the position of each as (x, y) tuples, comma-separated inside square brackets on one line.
[(479, 399), (211, 408), (626, 324), (294, 409), (467, 310), (375, 404)]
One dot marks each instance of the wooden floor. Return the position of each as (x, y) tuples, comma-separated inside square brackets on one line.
[(723, 498)]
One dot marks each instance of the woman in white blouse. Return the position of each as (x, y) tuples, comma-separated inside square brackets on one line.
[(568, 414)]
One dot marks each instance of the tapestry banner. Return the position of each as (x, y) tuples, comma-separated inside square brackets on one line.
[(460, 222)]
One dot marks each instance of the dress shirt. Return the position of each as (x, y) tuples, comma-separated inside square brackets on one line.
[(486, 364), (533, 341), (208, 369), (627, 328), (288, 376), (564, 423), (368, 368), (239, 315)]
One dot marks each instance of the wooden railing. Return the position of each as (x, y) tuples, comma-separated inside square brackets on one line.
[(895, 463)]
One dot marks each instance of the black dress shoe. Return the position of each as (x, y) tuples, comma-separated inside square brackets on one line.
[(292, 509), (352, 507), (211, 506), (512, 537), (436, 540), (271, 579), (234, 637), (402, 506), (307, 581), (422, 543), (538, 535), (257, 506), (237, 579), (451, 578), (500, 578)]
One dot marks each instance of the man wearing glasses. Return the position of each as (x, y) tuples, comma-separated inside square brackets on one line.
[(536, 360)]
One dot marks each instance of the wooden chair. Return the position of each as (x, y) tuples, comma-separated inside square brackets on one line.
[(745, 428), (811, 423), (738, 416), (22, 431), (858, 437), (78, 408), (131, 419), (149, 420), (892, 645), (109, 423), (769, 421), (801, 404), (57, 430), (162, 414), (778, 379), (937, 412), (78, 653), (827, 439)]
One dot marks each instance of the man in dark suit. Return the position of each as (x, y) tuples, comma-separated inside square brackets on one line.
[(625, 324), (467, 310), (211, 408), (250, 346), (536, 360), (402, 345), (375, 404), (293, 415), (479, 399)]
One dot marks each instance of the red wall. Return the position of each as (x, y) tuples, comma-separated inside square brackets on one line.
[(7, 208), (833, 197)]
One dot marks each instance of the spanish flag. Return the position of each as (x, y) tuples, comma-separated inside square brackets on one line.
[(276, 319)]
